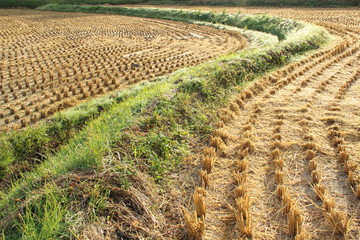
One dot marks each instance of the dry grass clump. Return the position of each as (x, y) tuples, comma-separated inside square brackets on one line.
[(277, 130), (257, 109), (242, 216), (239, 102), (277, 145), (241, 191), (218, 144), (204, 179), (279, 163), (275, 154), (344, 157), (286, 202), (316, 177), (246, 95), (302, 236), (279, 122), (310, 146), (312, 165), (320, 191), (279, 177), (233, 107), (199, 201), (209, 151), (339, 220), (242, 165), (240, 178), (277, 137), (337, 141), (226, 115), (295, 221), (350, 166), (246, 144), (310, 154), (220, 124), (243, 154), (247, 127), (357, 191), (329, 204), (353, 180), (223, 134), (208, 163), (194, 226)]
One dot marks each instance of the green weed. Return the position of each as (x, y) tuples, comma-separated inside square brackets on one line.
[(97, 200), (44, 218)]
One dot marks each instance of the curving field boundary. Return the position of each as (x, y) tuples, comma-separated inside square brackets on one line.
[(212, 81)]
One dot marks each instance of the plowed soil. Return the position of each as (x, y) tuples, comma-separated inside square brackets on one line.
[(50, 61)]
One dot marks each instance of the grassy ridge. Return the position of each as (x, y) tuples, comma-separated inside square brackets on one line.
[(171, 112), (36, 143), (21, 147), (273, 25)]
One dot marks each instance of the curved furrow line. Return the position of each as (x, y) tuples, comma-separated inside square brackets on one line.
[(291, 207)]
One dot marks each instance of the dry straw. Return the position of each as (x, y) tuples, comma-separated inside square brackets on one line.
[(312, 165), (240, 178), (295, 221), (242, 165), (275, 154), (218, 144), (243, 154), (329, 204), (279, 177), (204, 179), (199, 201), (320, 191), (242, 215), (208, 163), (279, 163), (241, 191), (209, 151), (310, 154), (338, 220), (221, 133), (246, 144), (194, 226), (316, 177), (286, 203)]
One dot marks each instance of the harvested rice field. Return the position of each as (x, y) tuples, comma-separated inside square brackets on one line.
[(50, 61), (282, 159)]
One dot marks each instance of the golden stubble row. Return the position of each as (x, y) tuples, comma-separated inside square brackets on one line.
[(42, 70)]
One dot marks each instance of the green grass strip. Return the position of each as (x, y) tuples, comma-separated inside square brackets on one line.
[(273, 25), (89, 147)]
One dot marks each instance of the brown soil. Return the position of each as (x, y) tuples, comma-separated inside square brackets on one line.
[(50, 61)]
